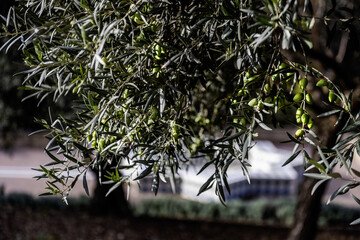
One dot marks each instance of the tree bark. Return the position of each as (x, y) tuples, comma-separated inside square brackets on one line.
[(114, 204), (307, 211), (309, 206)]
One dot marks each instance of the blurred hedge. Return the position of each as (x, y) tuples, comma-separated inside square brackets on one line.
[(260, 210), (23, 200)]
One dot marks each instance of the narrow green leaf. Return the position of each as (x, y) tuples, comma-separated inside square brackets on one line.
[(343, 161), (144, 173), (115, 186), (357, 221), (320, 167), (329, 113), (205, 166), (335, 175), (346, 140), (356, 172), (85, 185), (207, 185), (234, 136), (317, 176), (292, 138), (317, 185), (53, 157), (291, 158), (355, 127), (309, 141), (322, 156), (357, 200)]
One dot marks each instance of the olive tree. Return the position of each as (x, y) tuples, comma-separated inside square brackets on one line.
[(158, 84)]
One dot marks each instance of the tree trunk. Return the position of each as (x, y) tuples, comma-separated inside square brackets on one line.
[(309, 206), (115, 203), (307, 211)]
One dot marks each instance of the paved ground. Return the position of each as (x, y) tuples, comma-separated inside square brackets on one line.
[(17, 175)]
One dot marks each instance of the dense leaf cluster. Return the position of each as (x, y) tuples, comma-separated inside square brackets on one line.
[(160, 84)]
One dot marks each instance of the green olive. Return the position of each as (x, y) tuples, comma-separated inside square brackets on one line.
[(175, 131), (268, 100), (94, 135), (308, 99), (304, 118), (303, 83), (137, 18), (332, 97), (299, 112), (155, 70), (267, 88), (94, 143), (310, 123), (299, 133), (283, 65), (298, 97), (242, 122), (322, 83), (101, 144), (112, 139), (253, 102)]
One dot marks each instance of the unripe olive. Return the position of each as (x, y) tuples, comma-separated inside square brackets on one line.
[(125, 93), (267, 88), (94, 143), (289, 74), (310, 123), (308, 99), (94, 134), (101, 144), (303, 83), (299, 112), (89, 138), (274, 77), (155, 70), (304, 118), (242, 121), (137, 18), (322, 83), (298, 97), (332, 96), (253, 102), (158, 57), (299, 133), (298, 120), (283, 65), (175, 131), (268, 100)]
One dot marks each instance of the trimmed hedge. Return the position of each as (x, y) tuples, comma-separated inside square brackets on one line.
[(279, 210)]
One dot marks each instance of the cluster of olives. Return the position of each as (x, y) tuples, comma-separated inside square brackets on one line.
[(302, 117), (98, 142), (332, 97)]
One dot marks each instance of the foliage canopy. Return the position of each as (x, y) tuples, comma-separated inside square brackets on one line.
[(159, 84)]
